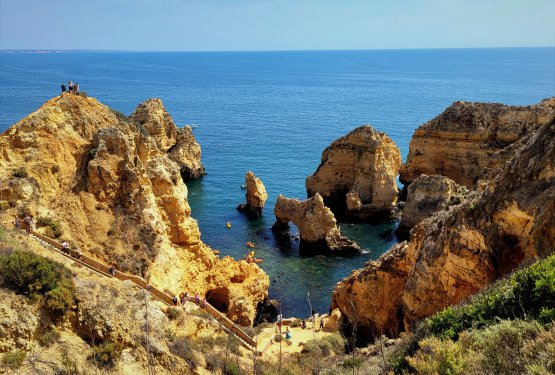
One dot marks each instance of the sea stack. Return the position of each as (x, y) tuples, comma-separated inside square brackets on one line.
[(180, 144), (357, 175), (317, 226), (256, 196)]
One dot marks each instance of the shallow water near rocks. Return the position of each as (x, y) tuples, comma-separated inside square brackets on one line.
[(274, 113)]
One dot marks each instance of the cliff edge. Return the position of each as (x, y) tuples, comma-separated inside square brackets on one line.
[(113, 186)]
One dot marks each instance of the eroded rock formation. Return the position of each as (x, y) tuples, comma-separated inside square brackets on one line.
[(180, 144), (116, 192), (466, 141), (426, 196), (256, 196), (317, 226), (455, 253), (356, 176)]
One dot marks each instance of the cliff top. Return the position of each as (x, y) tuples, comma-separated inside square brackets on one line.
[(491, 117)]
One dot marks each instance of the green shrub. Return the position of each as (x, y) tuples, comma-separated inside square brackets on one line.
[(53, 228), (438, 357), (214, 361), (48, 337), (173, 313), (107, 353), (182, 347), (36, 276), (337, 343), (232, 369), (13, 359), (351, 362), (21, 172), (529, 292)]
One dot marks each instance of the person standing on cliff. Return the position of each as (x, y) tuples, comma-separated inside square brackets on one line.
[(63, 89), (70, 87), (76, 88)]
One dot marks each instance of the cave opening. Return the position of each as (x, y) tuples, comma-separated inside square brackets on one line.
[(219, 298)]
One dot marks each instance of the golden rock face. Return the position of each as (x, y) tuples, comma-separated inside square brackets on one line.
[(467, 141), (457, 252), (357, 174), (117, 191)]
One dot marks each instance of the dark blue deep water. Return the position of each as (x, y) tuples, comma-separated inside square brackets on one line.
[(274, 113)]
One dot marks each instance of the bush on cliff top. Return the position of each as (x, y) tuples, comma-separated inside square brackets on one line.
[(35, 276), (527, 294)]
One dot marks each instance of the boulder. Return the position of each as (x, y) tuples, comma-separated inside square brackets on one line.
[(333, 324), (466, 142), (427, 195), (256, 196), (317, 226), (357, 175)]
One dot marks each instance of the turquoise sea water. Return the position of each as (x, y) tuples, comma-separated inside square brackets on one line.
[(274, 113)]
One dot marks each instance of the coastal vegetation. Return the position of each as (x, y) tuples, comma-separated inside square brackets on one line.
[(507, 328), (38, 278)]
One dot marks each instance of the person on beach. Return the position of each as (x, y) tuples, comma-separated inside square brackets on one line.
[(303, 324), (288, 336), (321, 324), (63, 89), (70, 87)]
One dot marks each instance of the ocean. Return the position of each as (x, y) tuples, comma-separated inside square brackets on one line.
[(274, 113)]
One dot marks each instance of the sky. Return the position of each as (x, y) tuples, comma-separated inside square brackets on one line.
[(250, 25)]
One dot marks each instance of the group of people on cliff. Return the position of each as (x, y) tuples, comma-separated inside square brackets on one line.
[(72, 88)]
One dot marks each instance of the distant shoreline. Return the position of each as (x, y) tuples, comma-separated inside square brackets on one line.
[(44, 51)]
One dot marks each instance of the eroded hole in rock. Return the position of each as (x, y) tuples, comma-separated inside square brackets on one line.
[(219, 298)]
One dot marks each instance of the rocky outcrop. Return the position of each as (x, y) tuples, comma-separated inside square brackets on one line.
[(118, 194), (426, 196), (357, 175), (466, 141), (455, 253), (317, 226), (180, 144), (256, 196)]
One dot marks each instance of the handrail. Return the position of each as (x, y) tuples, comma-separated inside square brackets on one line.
[(160, 295)]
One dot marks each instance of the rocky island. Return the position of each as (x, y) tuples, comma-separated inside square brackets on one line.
[(357, 175)]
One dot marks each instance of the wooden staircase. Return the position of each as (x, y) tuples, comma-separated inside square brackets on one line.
[(104, 270)]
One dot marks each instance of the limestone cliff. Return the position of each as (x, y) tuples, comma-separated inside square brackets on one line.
[(357, 175), (458, 252), (115, 190), (467, 140), (180, 144), (426, 196), (256, 196), (317, 226)]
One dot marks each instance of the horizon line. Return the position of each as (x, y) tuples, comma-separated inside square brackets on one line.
[(46, 50)]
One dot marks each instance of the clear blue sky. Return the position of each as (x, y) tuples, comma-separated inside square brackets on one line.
[(191, 25)]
